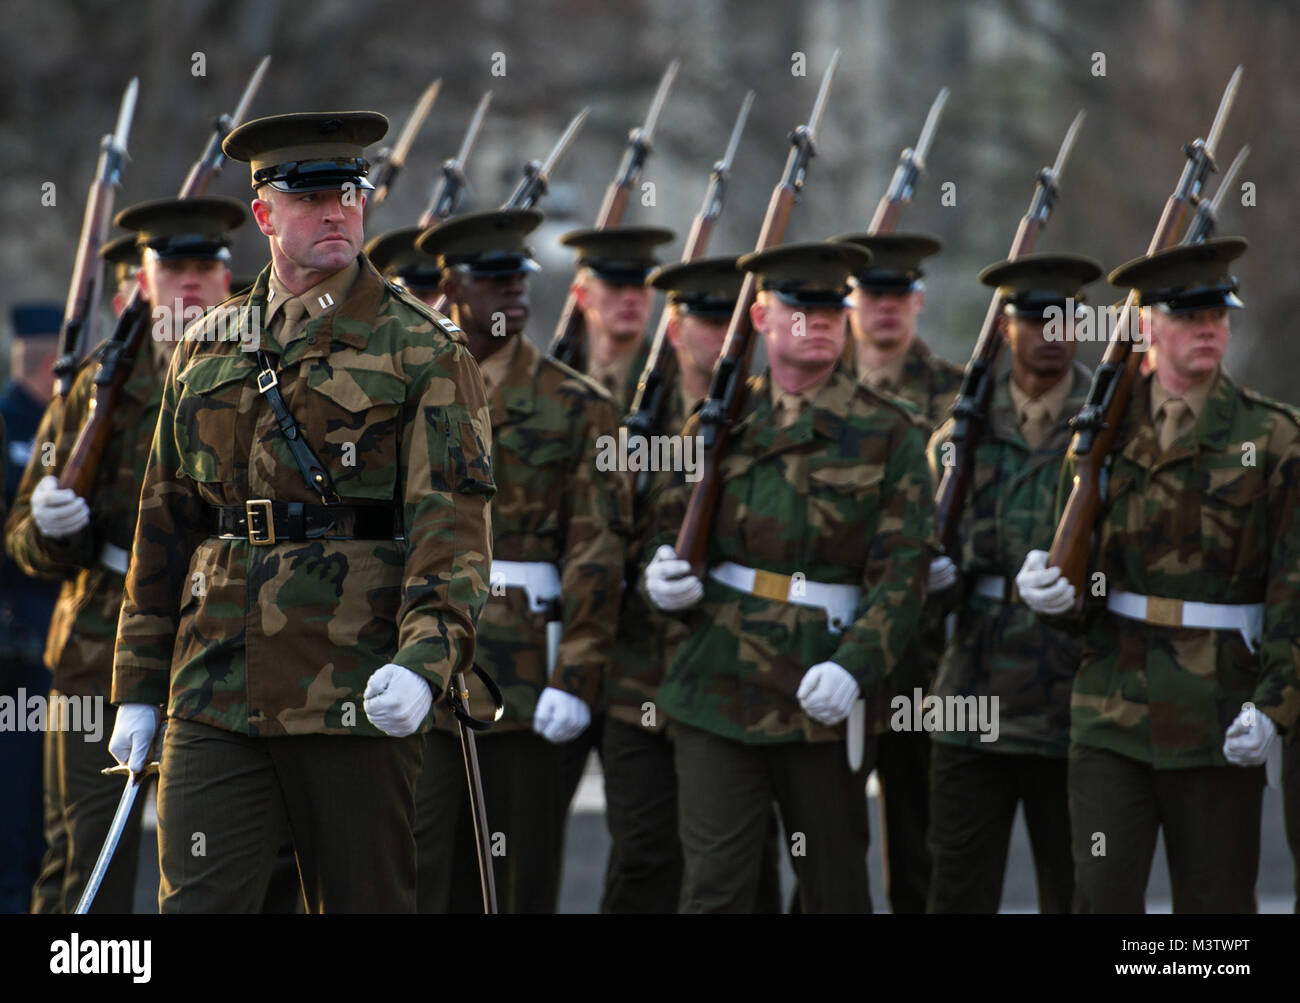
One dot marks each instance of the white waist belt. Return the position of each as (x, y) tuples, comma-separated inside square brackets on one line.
[(114, 558), (991, 587), (541, 581), (1248, 618), (839, 601)]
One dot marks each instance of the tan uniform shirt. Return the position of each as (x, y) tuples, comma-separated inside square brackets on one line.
[(1038, 415), (1173, 416)]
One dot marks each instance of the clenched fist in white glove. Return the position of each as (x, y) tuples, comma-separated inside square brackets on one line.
[(1248, 738), (560, 716), (396, 700), (133, 733), (669, 582), (943, 574), (58, 512), (826, 692), (1043, 589)]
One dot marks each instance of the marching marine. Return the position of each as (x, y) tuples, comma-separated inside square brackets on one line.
[(311, 555)]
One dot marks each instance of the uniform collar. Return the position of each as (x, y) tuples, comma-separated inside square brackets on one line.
[(1195, 398)]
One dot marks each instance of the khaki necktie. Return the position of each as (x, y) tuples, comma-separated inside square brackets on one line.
[(790, 410), (293, 312), (1175, 418), (1036, 425)]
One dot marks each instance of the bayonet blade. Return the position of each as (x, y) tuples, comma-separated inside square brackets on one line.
[(246, 99), (922, 149), (125, 113), (1228, 178), (823, 92), (736, 131), (656, 106), (1063, 154), (412, 127), (471, 134), (1221, 116), (562, 144)]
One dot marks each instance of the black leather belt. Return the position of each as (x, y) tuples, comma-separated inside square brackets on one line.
[(262, 521)]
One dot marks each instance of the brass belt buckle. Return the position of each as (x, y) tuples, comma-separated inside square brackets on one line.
[(255, 509), (1164, 612), (770, 585)]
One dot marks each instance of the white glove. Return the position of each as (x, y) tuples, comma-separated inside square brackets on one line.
[(133, 733), (58, 512), (560, 716), (396, 700), (1248, 738), (669, 582), (826, 692), (943, 574), (1042, 588)]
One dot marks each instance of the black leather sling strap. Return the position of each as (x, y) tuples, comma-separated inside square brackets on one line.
[(313, 471)]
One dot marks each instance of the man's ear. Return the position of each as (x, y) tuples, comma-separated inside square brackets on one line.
[(142, 280), (918, 299), (758, 316), (1004, 327), (262, 216), (674, 329), (580, 293)]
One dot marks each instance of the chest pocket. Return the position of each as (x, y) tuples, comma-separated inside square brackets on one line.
[(351, 419), (1233, 509), (207, 412), (843, 511), (532, 473)]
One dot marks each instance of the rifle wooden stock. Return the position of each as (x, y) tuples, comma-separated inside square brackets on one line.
[(1097, 425), (888, 212), (79, 471), (728, 394)]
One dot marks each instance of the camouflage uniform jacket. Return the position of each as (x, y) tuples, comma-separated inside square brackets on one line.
[(623, 398), (280, 639), (841, 496), (83, 629), (646, 637), (1000, 648), (929, 383), (1215, 518), (552, 505)]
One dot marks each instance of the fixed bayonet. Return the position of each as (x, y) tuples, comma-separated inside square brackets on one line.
[(911, 165), (537, 173), (390, 162), (452, 183), (1207, 210)]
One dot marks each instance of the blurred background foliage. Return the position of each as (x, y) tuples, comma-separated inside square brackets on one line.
[(1018, 70)]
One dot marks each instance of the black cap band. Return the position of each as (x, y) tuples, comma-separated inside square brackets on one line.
[(314, 175)]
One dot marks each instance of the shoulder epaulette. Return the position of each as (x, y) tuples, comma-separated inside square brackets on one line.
[(1290, 410)]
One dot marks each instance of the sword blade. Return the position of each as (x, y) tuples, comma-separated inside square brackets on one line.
[(134, 782), (1229, 177)]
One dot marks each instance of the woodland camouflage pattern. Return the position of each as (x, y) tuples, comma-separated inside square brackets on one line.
[(1001, 648), (83, 629), (553, 505), (1195, 523), (929, 384), (281, 639), (646, 637), (842, 496), (624, 394)]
